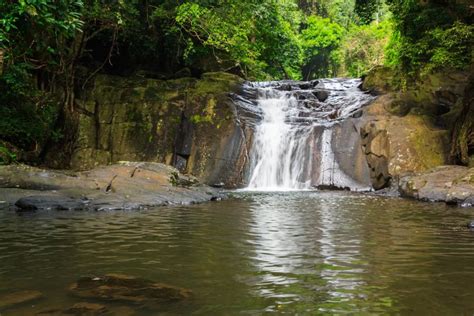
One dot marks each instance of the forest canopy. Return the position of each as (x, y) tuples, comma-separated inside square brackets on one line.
[(270, 39)]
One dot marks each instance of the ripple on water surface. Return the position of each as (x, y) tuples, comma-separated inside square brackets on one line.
[(288, 252)]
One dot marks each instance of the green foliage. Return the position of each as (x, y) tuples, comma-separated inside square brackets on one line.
[(6, 156), (430, 36), (366, 10), (260, 38), (451, 47), (37, 28), (320, 38), (27, 115), (42, 42), (35, 40), (363, 48)]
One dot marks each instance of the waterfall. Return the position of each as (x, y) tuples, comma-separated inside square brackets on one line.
[(293, 140)]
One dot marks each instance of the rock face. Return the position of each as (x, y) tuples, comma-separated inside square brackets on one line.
[(394, 145), (127, 289), (409, 130), (189, 123), (450, 184), (197, 126), (127, 185)]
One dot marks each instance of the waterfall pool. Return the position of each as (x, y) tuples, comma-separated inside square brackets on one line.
[(304, 253)]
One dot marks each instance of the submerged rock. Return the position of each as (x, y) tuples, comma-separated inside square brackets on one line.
[(18, 298), (128, 289), (450, 184), (79, 309)]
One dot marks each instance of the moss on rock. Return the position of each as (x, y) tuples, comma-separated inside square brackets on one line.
[(135, 118)]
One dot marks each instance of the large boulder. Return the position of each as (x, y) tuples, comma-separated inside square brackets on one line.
[(450, 184)]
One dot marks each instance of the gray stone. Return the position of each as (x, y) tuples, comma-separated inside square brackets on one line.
[(128, 185), (33, 203), (322, 95), (450, 184)]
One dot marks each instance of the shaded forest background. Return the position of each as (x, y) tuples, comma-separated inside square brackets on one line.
[(51, 49)]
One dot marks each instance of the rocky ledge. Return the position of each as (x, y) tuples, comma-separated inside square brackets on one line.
[(126, 185), (450, 184)]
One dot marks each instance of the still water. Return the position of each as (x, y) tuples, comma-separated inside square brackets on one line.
[(306, 253)]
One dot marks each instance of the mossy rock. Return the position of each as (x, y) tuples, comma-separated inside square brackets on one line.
[(429, 143), (381, 80), (136, 118)]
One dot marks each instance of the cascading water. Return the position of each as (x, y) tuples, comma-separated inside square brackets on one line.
[(293, 141)]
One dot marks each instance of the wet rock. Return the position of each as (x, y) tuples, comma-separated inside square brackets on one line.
[(322, 95), (375, 144), (328, 187), (450, 184), (357, 114), (18, 298), (308, 85), (469, 202), (218, 185), (33, 203), (87, 309), (181, 180), (128, 289), (79, 309), (311, 104), (305, 86), (333, 114), (285, 87)]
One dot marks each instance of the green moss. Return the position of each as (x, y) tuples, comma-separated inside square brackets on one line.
[(215, 83), (152, 93), (428, 143), (382, 79)]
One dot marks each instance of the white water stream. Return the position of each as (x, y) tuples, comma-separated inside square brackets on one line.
[(291, 134)]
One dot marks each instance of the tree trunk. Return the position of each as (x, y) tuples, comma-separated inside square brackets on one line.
[(2, 54)]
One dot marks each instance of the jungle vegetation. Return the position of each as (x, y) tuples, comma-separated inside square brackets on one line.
[(50, 49)]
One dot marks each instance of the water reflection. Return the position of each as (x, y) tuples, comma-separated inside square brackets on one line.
[(289, 253)]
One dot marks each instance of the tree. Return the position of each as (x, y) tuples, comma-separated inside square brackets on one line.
[(320, 38), (260, 37), (36, 41), (430, 35)]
